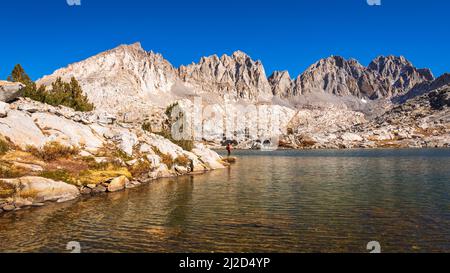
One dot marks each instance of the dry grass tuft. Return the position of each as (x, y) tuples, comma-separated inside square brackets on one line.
[(6, 190), (182, 161), (53, 150), (28, 194), (59, 175), (11, 171), (141, 168), (166, 159), (100, 176), (4, 146)]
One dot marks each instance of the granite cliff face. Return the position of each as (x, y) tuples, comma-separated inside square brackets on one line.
[(236, 76), (341, 77), (400, 72), (424, 87), (281, 83)]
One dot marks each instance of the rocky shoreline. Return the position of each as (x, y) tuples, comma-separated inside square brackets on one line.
[(55, 154), (117, 184)]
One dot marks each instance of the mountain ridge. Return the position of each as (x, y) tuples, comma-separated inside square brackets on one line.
[(129, 75)]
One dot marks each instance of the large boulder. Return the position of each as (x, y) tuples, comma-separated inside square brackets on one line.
[(4, 109), (10, 91), (154, 160), (196, 165), (118, 184), (105, 118), (164, 145), (21, 130), (208, 157), (67, 131), (126, 141), (41, 189), (161, 172)]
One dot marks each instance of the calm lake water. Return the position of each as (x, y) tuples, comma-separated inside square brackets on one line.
[(283, 201)]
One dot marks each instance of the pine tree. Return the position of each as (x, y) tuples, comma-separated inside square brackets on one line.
[(79, 100), (58, 93), (68, 94), (19, 75), (61, 93)]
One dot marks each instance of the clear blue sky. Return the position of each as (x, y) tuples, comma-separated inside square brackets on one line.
[(44, 35)]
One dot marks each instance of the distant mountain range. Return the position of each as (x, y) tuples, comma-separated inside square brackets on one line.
[(127, 78)]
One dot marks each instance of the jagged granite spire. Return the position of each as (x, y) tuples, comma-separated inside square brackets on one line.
[(236, 75)]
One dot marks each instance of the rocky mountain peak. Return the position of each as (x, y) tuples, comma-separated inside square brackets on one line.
[(338, 76), (136, 46), (239, 55), (120, 77), (280, 74), (237, 75), (385, 77), (121, 50), (334, 62), (387, 63), (281, 83), (400, 72)]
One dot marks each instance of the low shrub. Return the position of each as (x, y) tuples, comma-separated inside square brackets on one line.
[(100, 176), (117, 153), (28, 194), (169, 110), (165, 158), (182, 161), (6, 190), (99, 166), (4, 146), (7, 171), (58, 175), (141, 168), (187, 145), (146, 126), (168, 160), (53, 150)]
